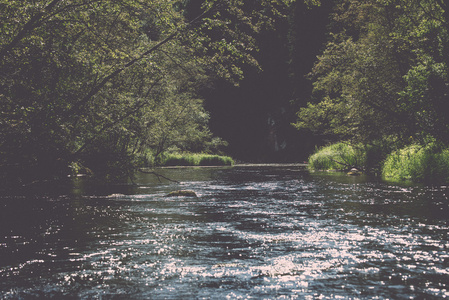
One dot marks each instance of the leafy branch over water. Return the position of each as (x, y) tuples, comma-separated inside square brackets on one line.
[(97, 84)]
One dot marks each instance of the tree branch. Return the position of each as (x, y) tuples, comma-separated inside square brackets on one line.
[(33, 23), (136, 108), (97, 88), (158, 175)]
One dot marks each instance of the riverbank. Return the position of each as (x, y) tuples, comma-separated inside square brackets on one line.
[(194, 159), (418, 163), (415, 163), (241, 165)]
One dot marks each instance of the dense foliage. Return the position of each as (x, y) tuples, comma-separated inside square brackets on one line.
[(338, 156), (95, 84), (383, 73), (195, 159), (418, 163), (382, 79), (105, 86)]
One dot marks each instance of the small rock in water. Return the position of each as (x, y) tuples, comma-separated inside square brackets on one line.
[(354, 172), (185, 193)]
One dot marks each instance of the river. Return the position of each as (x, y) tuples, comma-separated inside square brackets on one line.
[(259, 232)]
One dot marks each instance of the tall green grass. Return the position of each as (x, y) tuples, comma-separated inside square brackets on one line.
[(195, 159), (338, 156), (417, 163)]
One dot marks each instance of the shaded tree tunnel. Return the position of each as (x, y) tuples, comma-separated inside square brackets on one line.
[(255, 117)]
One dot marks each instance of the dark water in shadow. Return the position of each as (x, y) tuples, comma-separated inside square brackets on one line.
[(253, 232)]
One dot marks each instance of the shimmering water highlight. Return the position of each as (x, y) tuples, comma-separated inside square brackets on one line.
[(253, 232)]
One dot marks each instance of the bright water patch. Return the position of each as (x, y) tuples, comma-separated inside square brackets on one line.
[(262, 233)]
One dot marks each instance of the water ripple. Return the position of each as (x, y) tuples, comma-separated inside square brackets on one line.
[(251, 233)]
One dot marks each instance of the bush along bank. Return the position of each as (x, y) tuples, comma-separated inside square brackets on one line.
[(418, 163), (339, 156), (195, 159)]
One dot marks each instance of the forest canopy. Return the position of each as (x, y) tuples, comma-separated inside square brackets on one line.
[(97, 85), (383, 74)]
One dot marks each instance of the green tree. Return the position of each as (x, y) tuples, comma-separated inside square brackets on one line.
[(88, 79), (425, 96), (383, 73)]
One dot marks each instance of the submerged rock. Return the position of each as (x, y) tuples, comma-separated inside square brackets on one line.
[(184, 193)]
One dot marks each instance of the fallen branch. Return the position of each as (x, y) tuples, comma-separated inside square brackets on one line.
[(158, 176)]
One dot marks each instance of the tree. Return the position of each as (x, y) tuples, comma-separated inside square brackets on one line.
[(383, 73), (426, 95), (83, 77)]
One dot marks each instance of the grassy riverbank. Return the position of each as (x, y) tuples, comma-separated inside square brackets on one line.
[(339, 156), (195, 159), (417, 163)]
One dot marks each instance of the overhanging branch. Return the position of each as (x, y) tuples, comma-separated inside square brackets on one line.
[(159, 176)]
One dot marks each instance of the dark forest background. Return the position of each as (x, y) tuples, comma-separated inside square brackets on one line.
[(256, 117)]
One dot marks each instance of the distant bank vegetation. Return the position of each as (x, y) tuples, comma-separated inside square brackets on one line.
[(417, 163), (194, 159), (338, 156)]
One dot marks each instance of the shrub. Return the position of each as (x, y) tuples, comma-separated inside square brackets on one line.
[(175, 159), (215, 160), (418, 163), (191, 159), (338, 156)]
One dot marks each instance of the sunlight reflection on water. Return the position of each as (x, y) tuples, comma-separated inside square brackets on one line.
[(254, 232)]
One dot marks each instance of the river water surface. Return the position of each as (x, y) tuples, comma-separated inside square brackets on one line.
[(259, 232)]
